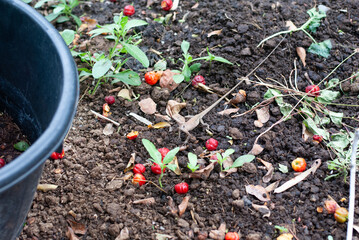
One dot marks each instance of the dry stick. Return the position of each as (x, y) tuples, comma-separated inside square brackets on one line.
[(103, 117), (194, 121)]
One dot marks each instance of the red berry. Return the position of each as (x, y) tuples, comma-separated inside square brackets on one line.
[(211, 144), (113, 1), (156, 169), (139, 168), (181, 188), (312, 90), (152, 77), (163, 152), (299, 164), (139, 179), (317, 138), (2, 162), (54, 155), (231, 236), (132, 135), (166, 5), (61, 155), (331, 206), (198, 79), (129, 10), (110, 100)]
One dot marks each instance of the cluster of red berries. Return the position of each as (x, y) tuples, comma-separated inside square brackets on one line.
[(129, 10)]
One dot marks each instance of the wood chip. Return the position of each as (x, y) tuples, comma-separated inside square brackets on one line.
[(228, 111), (285, 236), (259, 192), (171, 206), (46, 187), (78, 228), (216, 32), (183, 206), (70, 234), (147, 201), (218, 234), (160, 125), (124, 93)]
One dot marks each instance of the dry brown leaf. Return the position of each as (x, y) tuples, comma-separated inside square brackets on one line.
[(160, 236), (166, 80), (204, 88), (306, 134), (148, 106), (71, 235), (195, 6), (272, 186), (285, 236), (258, 124), (256, 149), (131, 163), (76, 39), (46, 187), (183, 206), (216, 32), (263, 114), (160, 125), (166, 118), (264, 210), (302, 55), (227, 163), (203, 173), (124, 234), (173, 108), (127, 176), (299, 177), (141, 119), (78, 228), (108, 129), (228, 111), (218, 234), (91, 23), (259, 192), (178, 170), (239, 97), (171, 206), (124, 93), (290, 25), (147, 201), (270, 169)]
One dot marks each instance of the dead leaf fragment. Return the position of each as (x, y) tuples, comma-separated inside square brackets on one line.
[(239, 97), (163, 236), (70, 234), (259, 192), (124, 93), (78, 228), (108, 129), (218, 234), (264, 210), (148, 106), (131, 163), (270, 169), (147, 201), (149, 3), (173, 108), (127, 176), (290, 25), (285, 236), (227, 163), (46, 187), (302, 55), (175, 162), (263, 114), (171, 206), (216, 32), (228, 111), (272, 186), (256, 149), (160, 125), (203, 173), (258, 124), (306, 134), (124, 234), (183, 206), (166, 80)]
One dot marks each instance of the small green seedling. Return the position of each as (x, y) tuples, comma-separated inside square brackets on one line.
[(241, 160), (62, 11), (283, 168), (223, 157), (156, 157), (281, 229), (21, 146), (192, 162)]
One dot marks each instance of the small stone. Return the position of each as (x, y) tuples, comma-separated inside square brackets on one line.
[(113, 209), (183, 223), (235, 133), (254, 236), (98, 207), (235, 193), (245, 52), (129, 192), (314, 189), (238, 203), (114, 185), (114, 230)]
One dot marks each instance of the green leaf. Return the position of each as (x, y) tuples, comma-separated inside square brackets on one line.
[(185, 46), (101, 67), (339, 141), (27, 1), (21, 146), (285, 109), (321, 120), (77, 19), (152, 150), (315, 16), (221, 59), (242, 160), (84, 73), (52, 16), (283, 168), (328, 96), (192, 162), (134, 23), (178, 78), (307, 111), (281, 229), (274, 93), (170, 155), (312, 127), (161, 65), (58, 9), (129, 77), (332, 83), (228, 152), (195, 67), (62, 19), (40, 3), (321, 49), (336, 117), (172, 167), (187, 73), (68, 36), (137, 53), (104, 29)]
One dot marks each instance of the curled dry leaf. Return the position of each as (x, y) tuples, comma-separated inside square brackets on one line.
[(259, 192), (299, 177), (148, 106), (272, 186), (306, 134), (285, 236), (204, 88), (166, 118), (108, 129), (166, 80), (263, 114), (290, 25), (173, 108), (239, 97), (46, 187), (264, 210), (78, 228), (218, 234), (147, 201), (302, 55), (178, 170), (131, 163), (256, 149), (258, 124), (127, 176), (124, 93), (175, 5), (183, 206), (70, 234), (171, 206), (227, 163), (228, 111), (160, 125), (203, 173), (216, 32), (270, 169)]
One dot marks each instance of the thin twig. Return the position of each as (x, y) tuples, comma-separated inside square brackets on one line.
[(157, 186), (103, 117)]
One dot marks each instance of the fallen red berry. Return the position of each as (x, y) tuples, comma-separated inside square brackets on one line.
[(56, 155), (113, 1), (129, 10), (2, 162), (231, 236), (139, 168), (156, 169), (132, 135), (312, 90), (198, 79), (181, 188), (152, 77), (163, 152), (317, 138), (331, 206), (341, 215), (139, 179), (110, 100), (299, 164), (211, 144), (166, 5)]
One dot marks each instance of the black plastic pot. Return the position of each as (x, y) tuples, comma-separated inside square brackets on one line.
[(39, 89)]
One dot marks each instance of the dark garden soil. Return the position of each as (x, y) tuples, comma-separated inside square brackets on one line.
[(89, 178)]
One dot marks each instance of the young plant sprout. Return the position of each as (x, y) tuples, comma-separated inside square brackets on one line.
[(192, 162), (223, 157), (156, 157)]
